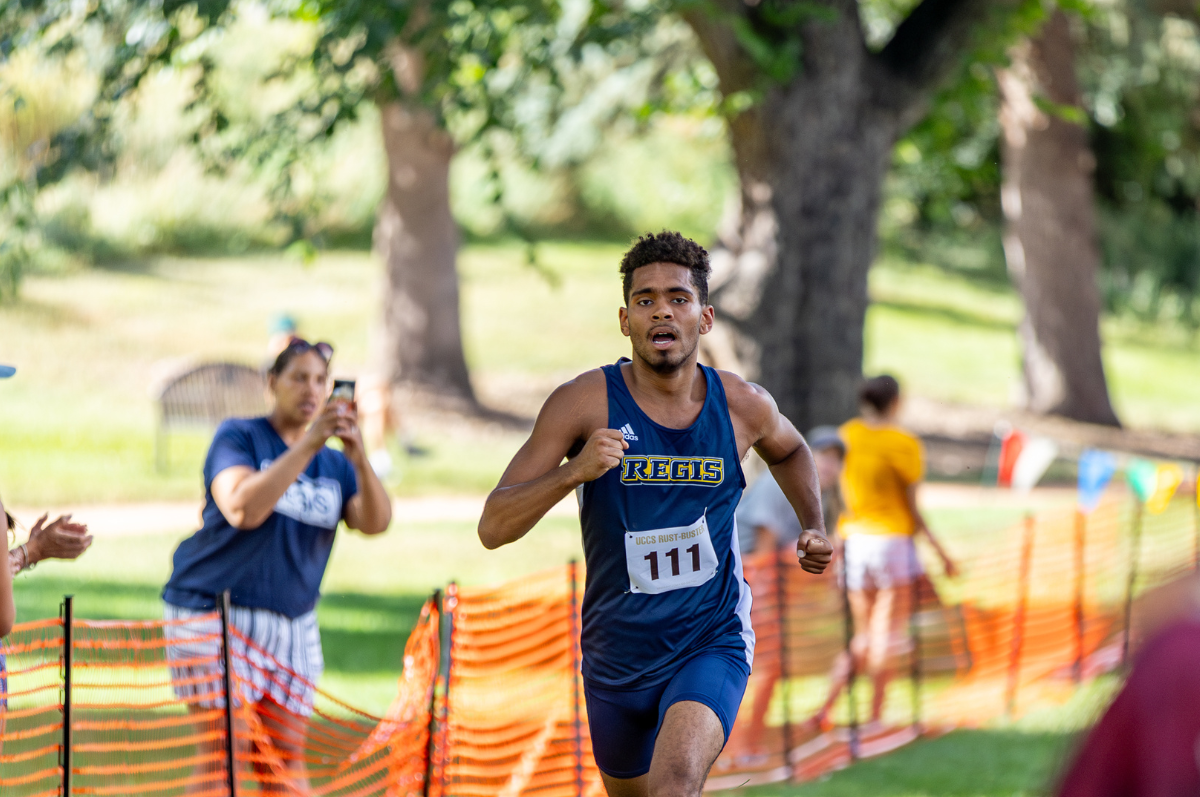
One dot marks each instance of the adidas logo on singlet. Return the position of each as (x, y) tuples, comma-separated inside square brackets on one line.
[(627, 432)]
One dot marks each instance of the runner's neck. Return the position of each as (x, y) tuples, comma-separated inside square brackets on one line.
[(673, 400)]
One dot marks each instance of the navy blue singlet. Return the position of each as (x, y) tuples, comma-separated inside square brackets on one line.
[(664, 575)]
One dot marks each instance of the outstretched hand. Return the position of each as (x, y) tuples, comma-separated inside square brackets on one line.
[(814, 550), (62, 538)]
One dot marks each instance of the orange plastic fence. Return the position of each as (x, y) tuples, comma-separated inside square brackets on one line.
[(1040, 606), (490, 702), (140, 729)]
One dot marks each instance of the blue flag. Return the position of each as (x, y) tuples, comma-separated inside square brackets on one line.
[(1096, 469)]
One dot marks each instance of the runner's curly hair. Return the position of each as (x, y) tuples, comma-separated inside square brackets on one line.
[(667, 247)]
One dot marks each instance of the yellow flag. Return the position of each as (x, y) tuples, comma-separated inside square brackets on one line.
[(1168, 477)]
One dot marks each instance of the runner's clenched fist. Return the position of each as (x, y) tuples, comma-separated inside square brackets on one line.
[(601, 454)]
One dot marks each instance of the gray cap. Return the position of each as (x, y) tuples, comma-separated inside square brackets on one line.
[(6, 371), (821, 437)]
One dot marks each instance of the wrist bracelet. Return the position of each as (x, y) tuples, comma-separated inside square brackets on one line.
[(25, 557)]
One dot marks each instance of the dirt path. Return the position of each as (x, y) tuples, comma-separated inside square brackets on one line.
[(108, 520)]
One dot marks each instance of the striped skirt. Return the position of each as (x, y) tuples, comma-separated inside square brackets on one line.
[(284, 663)]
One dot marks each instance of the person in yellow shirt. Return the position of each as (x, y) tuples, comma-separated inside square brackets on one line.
[(880, 519)]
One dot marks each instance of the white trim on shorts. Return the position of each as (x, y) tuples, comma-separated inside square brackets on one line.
[(288, 672), (880, 561)]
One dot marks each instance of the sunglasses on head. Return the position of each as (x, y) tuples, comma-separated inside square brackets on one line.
[(301, 346)]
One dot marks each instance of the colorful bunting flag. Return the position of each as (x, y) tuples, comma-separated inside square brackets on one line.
[(1010, 450), (1096, 469), (1167, 478), (1142, 475), (1032, 463)]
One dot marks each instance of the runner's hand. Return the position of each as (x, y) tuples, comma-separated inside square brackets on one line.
[(601, 454), (814, 550)]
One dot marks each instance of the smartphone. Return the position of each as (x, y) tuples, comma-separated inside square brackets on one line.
[(343, 390)]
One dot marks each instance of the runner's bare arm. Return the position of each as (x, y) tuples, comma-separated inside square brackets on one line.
[(759, 424), (537, 478)]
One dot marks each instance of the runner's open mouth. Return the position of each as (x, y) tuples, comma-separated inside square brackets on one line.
[(662, 338)]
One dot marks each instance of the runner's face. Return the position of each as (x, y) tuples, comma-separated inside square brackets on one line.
[(301, 388), (664, 319)]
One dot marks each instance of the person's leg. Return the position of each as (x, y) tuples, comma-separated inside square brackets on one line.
[(689, 741), (880, 632), (764, 681), (209, 768), (287, 731), (861, 604), (889, 621), (626, 787), (623, 723), (193, 654)]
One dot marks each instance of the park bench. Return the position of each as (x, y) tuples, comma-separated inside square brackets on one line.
[(203, 396)]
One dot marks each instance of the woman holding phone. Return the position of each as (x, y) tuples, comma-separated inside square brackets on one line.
[(274, 496)]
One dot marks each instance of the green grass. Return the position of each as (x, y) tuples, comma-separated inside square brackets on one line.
[(953, 339), (967, 763), (89, 344), (1016, 759)]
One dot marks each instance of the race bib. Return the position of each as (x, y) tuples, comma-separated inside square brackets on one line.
[(666, 559)]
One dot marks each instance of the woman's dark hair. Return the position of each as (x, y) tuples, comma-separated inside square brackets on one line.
[(667, 247), (879, 391), (296, 348), (10, 522)]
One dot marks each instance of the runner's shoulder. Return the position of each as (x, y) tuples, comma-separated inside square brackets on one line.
[(583, 398), (587, 385), (747, 400)]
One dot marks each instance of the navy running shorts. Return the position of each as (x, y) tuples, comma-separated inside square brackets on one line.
[(624, 722)]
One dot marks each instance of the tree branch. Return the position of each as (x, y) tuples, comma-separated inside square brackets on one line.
[(925, 50), (735, 69)]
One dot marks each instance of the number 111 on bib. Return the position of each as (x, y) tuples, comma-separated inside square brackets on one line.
[(661, 560)]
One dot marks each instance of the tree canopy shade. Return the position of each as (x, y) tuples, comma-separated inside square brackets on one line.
[(811, 154), (814, 106), (441, 72)]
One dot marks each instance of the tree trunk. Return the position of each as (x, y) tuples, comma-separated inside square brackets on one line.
[(417, 238), (790, 271), (1049, 243)]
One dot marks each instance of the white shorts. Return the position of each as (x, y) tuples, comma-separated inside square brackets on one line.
[(288, 673), (879, 561)]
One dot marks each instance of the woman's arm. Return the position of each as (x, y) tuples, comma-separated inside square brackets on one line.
[(370, 511), (8, 609), (910, 497), (247, 497)]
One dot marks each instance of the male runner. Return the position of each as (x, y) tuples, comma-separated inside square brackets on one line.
[(656, 444)]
